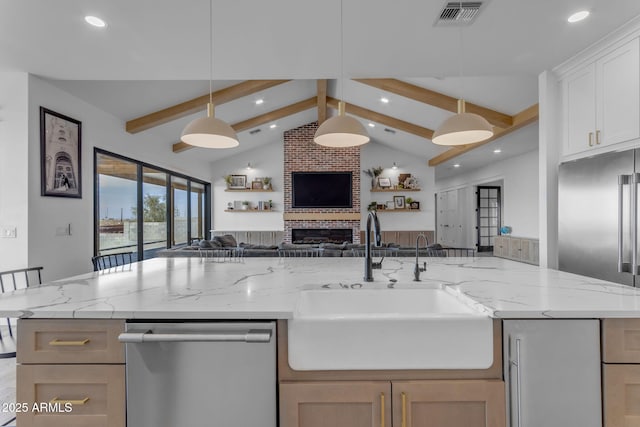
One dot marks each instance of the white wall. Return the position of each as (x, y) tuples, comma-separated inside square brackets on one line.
[(63, 256), (519, 192), (14, 174), (375, 154), (267, 160)]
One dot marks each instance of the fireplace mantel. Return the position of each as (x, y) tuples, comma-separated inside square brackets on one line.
[(321, 216)]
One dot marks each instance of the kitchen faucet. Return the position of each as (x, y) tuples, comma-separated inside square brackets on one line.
[(417, 270), (369, 265)]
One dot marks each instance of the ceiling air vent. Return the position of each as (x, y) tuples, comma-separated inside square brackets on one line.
[(459, 13), (253, 132)]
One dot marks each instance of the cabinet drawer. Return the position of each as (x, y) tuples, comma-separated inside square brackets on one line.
[(70, 341), (621, 387), (621, 340), (96, 393)]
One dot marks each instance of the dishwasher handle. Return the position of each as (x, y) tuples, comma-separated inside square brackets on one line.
[(248, 336)]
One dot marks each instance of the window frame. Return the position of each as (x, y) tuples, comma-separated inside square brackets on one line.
[(140, 165)]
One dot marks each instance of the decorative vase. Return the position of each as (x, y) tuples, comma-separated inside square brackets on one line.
[(374, 182), (266, 186)]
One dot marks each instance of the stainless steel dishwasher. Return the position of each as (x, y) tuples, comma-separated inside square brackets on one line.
[(201, 374)]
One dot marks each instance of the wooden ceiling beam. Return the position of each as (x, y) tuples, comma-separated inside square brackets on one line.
[(523, 118), (261, 119), (437, 99), (322, 100), (198, 104), (383, 119)]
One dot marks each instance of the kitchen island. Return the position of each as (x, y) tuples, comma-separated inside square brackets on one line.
[(553, 319), (268, 288)]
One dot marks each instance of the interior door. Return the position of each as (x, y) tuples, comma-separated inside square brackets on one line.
[(488, 207)]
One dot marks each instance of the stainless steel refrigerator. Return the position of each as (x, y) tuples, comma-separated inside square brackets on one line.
[(598, 216)]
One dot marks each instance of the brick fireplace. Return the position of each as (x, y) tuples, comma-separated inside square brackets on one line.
[(301, 154)]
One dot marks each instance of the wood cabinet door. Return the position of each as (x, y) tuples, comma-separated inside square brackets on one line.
[(515, 248), (335, 404), (621, 395), (71, 395), (579, 105), (450, 403), (618, 95)]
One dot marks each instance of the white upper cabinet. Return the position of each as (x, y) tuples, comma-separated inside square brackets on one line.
[(601, 101)]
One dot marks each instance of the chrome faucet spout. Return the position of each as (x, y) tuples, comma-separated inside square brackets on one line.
[(372, 219), (417, 270)]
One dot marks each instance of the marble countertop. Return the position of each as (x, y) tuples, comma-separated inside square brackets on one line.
[(268, 288)]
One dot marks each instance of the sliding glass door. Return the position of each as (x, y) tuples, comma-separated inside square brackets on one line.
[(116, 219), (142, 208)]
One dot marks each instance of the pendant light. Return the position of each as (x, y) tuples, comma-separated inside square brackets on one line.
[(210, 132), (341, 130), (463, 128)]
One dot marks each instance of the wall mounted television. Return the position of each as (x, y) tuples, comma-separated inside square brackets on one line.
[(321, 189)]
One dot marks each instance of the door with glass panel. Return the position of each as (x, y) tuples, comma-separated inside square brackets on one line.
[(197, 210), (488, 217), (117, 200), (179, 211), (154, 211)]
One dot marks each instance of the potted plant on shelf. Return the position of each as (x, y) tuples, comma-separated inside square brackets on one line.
[(266, 183), (409, 200), (228, 180), (372, 206), (374, 173), (245, 205)]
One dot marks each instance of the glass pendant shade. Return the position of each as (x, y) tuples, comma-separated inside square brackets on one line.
[(463, 128), (210, 132), (341, 131)]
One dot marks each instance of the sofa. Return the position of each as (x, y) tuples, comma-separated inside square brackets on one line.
[(227, 246)]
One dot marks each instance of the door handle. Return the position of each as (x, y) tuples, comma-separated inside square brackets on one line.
[(590, 139), (597, 137), (516, 364), (249, 336)]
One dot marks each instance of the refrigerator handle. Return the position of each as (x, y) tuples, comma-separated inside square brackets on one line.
[(635, 179), (622, 181)]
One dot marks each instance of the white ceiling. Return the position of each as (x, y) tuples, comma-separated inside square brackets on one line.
[(154, 54)]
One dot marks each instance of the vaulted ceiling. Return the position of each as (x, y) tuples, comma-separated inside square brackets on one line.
[(155, 54)]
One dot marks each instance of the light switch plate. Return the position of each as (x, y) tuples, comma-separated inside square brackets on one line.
[(8, 232)]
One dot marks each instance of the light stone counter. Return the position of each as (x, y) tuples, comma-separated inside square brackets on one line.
[(268, 288)]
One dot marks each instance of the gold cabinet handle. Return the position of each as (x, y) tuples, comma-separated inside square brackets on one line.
[(381, 409), (62, 343), (597, 137), (590, 139), (73, 402), (404, 410)]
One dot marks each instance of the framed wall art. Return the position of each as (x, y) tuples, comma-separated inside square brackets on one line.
[(399, 202), (238, 182), (60, 155)]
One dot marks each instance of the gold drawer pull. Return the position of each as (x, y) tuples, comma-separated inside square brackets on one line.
[(381, 409), (69, 343), (404, 410), (73, 402)]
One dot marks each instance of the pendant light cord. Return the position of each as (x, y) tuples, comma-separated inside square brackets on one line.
[(210, 51), (341, 55)]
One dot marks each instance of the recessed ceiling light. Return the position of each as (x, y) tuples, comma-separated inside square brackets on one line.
[(497, 150), (457, 165), (384, 100), (273, 126), (95, 21), (259, 101), (578, 16), (371, 125)]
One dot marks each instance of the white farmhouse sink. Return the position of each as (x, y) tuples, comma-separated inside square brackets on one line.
[(387, 329)]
